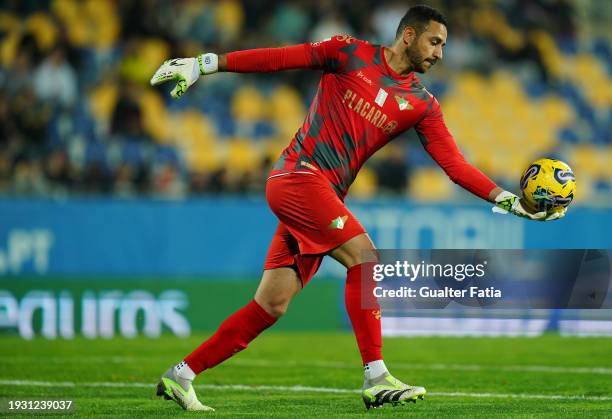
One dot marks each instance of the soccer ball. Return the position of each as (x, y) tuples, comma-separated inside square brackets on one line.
[(548, 185)]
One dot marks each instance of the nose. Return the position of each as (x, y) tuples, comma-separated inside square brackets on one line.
[(438, 54)]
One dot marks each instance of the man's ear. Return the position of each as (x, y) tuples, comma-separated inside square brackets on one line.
[(409, 35)]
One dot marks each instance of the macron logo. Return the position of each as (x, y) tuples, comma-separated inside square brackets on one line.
[(364, 78)]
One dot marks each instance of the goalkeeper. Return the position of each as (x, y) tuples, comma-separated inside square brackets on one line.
[(368, 95)]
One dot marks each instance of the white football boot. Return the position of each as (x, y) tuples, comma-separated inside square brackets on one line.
[(387, 389), (172, 387)]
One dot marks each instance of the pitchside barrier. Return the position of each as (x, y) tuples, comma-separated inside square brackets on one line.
[(104, 267)]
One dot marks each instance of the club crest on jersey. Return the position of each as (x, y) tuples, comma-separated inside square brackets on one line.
[(338, 223), (403, 103)]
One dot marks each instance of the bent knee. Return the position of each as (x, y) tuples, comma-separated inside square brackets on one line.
[(356, 251), (359, 257), (275, 307)]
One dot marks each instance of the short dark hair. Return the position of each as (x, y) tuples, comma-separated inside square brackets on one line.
[(418, 17)]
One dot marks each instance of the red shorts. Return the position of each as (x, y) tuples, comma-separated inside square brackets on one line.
[(313, 221)]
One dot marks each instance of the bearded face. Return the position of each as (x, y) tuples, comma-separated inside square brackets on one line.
[(426, 47), (416, 58)]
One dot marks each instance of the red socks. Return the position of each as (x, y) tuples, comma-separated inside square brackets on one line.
[(234, 335), (364, 312), (238, 330)]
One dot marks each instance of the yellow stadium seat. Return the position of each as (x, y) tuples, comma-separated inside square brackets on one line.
[(506, 86), (8, 48), (274, 147), (585, 188), (9, 22), (452, 110), (248, 105), (104, 23), (430, 184), (195, 135), (587, 66), (11, 26), (287, 127), (192, 129), (606, 157), (229, 15), (242, 155), (552, 57), (591, 76), (286, 110), (468, 85), (43, 29), (155, 118), (285, 102), (102, 101), (73, 20), (142, 60), (365, 184), (151, 53), (65, 9), (600, 96), (204, 157), (583, 160), (555, 110), (89, 23), (517, 164)]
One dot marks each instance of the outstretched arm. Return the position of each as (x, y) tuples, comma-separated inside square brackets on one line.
[(265, 60), (439, 143), (186, 71), (327, 55)]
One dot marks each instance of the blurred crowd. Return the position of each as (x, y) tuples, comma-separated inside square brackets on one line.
[(77, 115)]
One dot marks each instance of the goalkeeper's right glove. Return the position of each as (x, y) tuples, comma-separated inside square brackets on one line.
[(507, 202), (185, 71)]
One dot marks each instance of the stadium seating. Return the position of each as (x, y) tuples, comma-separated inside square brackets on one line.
[(501, 119)]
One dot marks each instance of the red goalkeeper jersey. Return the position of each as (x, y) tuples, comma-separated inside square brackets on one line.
[(361, 104)]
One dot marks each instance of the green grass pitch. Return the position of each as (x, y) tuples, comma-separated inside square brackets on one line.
[(318, 374)]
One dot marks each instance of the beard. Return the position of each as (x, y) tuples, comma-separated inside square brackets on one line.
[(416, 59)]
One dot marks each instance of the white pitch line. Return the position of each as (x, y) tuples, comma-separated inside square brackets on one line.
[(346, 365), (301, 389), (455, 367)]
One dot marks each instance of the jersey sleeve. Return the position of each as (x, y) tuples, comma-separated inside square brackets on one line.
[(326, 55), (441, 145), (331, 54)]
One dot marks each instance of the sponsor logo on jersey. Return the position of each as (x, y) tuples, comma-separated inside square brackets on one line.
[(338, 223), (403, 103), (368, 111), (381, 97)]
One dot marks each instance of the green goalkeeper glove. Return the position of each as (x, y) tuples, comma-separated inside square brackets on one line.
[(185, 71), (507, 202)]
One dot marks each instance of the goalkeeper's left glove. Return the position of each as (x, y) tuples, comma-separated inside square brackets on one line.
[(185, 71), (507, 202)]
